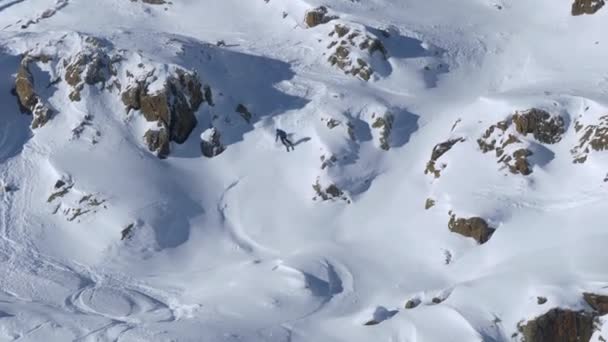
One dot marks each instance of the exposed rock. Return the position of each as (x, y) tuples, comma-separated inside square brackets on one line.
[(328, 192), (351, 48), (385, 125), (89, 67), (541, 300), (474, 227), (559, 325), (211, 144), (599, 303), (438, 151), (173, 107), (546, 128), (437, 300), (591, 138), (429, 203), (580, 7), (158, 141), (29, 101), (318, 16), (412, 303), (504, 138)]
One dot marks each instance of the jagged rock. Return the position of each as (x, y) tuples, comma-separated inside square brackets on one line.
[(385, 125), (558, 325), (541, 300), (318, 16), (580, 7), (597, 302), (89, 67), (591, 137), (438, 151), (158, 141), (29, 101), (429, 203), (546, 128), (474, 227), (173, 107), (211, 144)]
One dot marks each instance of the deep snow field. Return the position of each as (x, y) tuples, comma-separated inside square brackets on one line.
[(102, 240)]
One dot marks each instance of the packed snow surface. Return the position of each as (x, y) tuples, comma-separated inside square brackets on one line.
[(242, 246)]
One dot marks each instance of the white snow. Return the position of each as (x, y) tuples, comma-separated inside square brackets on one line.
[(234, 248)]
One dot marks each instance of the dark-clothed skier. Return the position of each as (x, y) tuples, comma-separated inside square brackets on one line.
[(281, 134)]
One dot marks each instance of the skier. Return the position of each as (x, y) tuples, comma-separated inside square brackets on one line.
[(281, 134)]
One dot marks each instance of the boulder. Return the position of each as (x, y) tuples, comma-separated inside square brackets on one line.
[(474, 227), (158, 141), (580, 7), (211, 145), (318, 16)]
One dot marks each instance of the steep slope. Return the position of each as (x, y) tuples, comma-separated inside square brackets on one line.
[(448, 181)]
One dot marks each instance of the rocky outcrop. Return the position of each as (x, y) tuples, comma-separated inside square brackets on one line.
[(438, 151), (506, 138), (474, 227), (211, 144), (173, 108), (352, 49), (158, 141), (545, 128), (580, 7), (599, 303), (91, 66), (384, 124), (318, 16), (559, 325), (591, 138), (25, 91)]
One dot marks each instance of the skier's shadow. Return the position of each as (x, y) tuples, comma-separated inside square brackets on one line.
[(300, 141)]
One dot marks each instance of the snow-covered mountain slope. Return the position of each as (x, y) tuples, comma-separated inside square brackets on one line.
[(448, 180)]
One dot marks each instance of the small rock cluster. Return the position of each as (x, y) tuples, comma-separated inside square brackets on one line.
[(591, 138), (351, 50), (384, 124), (72, 203), (506, 142), (438, 151)]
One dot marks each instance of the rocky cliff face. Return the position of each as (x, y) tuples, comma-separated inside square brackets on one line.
[(25, 90)]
